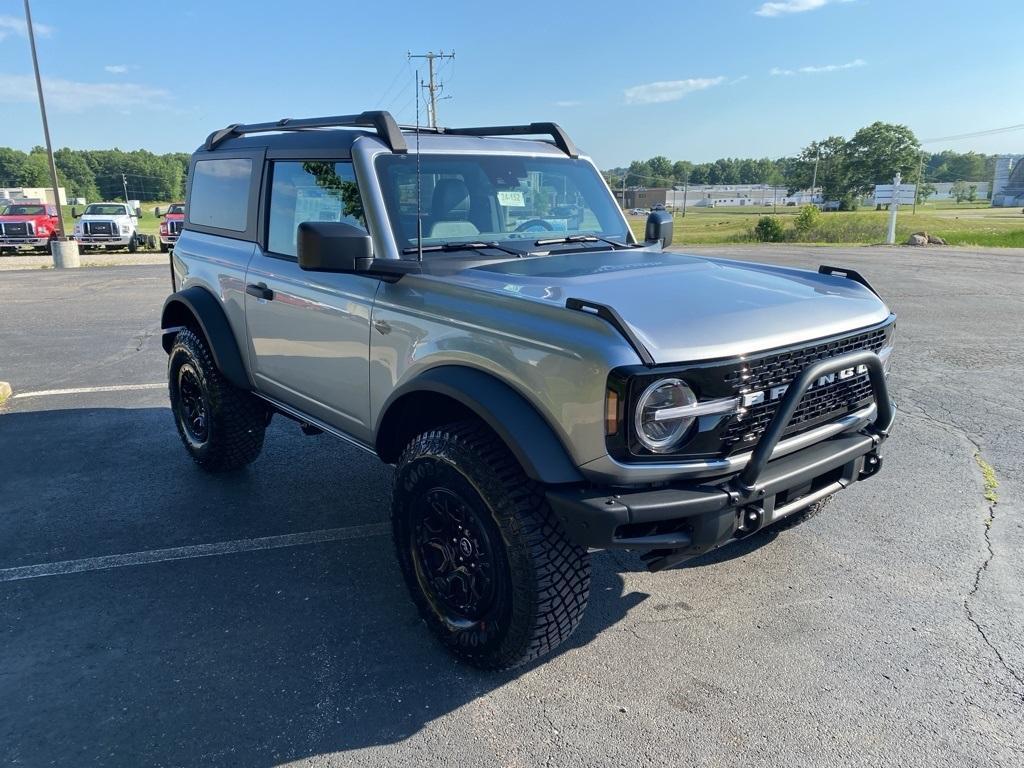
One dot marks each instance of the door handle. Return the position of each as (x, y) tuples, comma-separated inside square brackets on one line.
[(260, 291)]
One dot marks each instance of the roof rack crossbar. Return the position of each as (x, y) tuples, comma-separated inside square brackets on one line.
[(562, 140), (380, 121)]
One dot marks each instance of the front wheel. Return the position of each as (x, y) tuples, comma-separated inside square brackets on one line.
[(133, 244), (221, 426), (489, 567)]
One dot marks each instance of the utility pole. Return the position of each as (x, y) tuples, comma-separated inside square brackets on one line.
[(814, 179), (124, 186), (686, 188), (46, 125), (432, 86), (894, 207), (917, 191)]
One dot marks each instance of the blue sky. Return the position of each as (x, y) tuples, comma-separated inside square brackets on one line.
[(687, 79)]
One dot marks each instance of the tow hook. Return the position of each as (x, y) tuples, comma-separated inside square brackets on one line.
[(750, 520), (872, 463)]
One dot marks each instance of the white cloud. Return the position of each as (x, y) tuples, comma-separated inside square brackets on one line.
[(739, 79), (71, 96), (668, 90), (116, 69), (786, 7), (17, 25), (568, 103), (818, 70)]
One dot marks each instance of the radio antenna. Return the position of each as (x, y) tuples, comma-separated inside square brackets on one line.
[(419, 192)]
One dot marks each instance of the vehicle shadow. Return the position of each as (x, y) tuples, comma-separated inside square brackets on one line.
[(248, 658)]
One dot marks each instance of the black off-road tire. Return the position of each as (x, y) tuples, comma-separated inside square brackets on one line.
[(228, 434), (805, 514), (133, 244), (541, 579)]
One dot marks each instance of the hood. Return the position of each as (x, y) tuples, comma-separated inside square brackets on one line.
[(26, 217), (686, 308), (174, 216)]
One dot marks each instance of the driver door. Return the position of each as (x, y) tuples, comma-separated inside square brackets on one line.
[(309, 332)]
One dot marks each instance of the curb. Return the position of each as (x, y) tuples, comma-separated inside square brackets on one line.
[(5, 392)]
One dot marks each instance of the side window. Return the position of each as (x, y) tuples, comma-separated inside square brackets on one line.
[(220, 193), (310, 191)]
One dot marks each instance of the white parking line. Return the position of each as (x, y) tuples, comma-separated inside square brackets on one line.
[(187, 553), (87, 390)]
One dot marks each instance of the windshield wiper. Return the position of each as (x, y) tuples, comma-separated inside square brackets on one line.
[(480, 246), (583, 239)]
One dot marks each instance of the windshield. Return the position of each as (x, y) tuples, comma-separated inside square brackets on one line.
[(496, 198), (25, 210), (105, 209), (176, 208)]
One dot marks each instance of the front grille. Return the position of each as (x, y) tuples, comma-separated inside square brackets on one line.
[(174, 227), (16, 229), (99, 227), (818, 406)]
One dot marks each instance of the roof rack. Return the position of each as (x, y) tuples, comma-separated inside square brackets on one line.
[(562, 140), (382, 122), (390, 131)]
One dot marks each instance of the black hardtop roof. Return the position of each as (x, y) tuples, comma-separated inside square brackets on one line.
[(311, 133)]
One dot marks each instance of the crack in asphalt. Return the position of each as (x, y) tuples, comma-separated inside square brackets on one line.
[(989, 521)]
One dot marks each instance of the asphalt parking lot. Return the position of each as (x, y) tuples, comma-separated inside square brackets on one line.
[(153, 615)]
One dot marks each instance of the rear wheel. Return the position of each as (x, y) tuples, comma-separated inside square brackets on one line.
[(221, 426), (489, 567)]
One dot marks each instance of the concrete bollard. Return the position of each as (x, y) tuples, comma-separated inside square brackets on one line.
[(65, 253)]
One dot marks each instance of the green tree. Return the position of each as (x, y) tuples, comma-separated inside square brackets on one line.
[(875, 154), (924, 190), (75, 174), (12, 167), (832, 177), (37, 169), (959, 191)]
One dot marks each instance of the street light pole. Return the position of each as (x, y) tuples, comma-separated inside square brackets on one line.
[(46, 125)]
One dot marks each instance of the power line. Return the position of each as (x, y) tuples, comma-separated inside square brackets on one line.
[(975, 134)]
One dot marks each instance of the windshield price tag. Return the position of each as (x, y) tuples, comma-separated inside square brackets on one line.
[(511, 198)]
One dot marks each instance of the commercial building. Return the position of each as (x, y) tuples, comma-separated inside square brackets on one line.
[(38, 194), (713, 195), (1008, 184)]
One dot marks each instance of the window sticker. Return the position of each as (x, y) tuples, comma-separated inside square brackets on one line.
[(511, 198)]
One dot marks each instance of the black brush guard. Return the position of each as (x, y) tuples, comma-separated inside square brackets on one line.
[(685, 520)]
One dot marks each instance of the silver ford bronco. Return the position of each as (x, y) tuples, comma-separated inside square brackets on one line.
[(473, 308)]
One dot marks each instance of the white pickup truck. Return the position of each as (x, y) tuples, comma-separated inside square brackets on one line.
[(108, 225)]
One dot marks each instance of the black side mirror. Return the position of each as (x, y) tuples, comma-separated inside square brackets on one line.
[(157, 212), (333, 246), (138, 213), (74, 212), (659, 228)]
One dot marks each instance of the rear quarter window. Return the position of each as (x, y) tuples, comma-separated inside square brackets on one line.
[(220, 193)]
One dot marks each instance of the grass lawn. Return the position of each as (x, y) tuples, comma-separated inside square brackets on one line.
[(965, 224)]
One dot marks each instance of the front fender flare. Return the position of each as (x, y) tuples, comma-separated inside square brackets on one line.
[(515, 420), (198, 303)]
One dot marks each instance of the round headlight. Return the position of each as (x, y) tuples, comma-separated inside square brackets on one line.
[(660, 432)]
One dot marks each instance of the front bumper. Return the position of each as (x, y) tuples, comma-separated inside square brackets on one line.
[(25, 242), (681, 520), (122, 240)]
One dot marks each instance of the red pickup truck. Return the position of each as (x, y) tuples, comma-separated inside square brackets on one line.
[(32, 225), (170, 227)]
